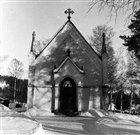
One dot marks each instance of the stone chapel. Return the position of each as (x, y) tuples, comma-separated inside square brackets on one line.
[(67, 76)]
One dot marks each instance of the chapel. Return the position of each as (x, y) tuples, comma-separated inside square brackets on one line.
[(67, 75)]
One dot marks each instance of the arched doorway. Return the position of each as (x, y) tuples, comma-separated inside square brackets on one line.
[(68, 97)]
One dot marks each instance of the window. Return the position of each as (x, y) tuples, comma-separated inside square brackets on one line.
[(67, 84)]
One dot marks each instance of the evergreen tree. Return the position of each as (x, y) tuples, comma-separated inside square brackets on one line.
[(7, 89), (133, 41)]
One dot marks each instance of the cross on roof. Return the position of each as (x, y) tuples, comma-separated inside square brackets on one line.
[(69, 11), (33, 34)]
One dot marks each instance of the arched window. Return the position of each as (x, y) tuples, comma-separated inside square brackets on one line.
[(67, 84)]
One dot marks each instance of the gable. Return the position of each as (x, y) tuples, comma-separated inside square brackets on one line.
[(83, 40), (70, 33), (69, 28), (59, 32), (68, 60)]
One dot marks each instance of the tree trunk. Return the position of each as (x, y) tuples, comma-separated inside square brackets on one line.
[(121, 99), (131, 100), (134, 98), (15, 90), (111, 99), (114, 102)]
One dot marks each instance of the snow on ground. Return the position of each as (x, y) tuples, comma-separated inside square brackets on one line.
[(106, 114), (19, 125), (85, 126), (117, 120), (135, 118), (37, 112), (14, 123), (92, 122), (96, 113), (40, 121), (4, 108)]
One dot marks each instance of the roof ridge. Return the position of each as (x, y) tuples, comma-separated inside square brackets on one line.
[(61, 28), (54, 37), (86, 41)]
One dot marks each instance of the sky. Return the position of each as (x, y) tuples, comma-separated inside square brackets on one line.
[(20, 18)]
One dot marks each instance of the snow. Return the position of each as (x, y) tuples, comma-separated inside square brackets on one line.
[(19, 125), (42, 122), (135, 118), (116, 121), (95, 113), (15, 123), (4, 108), (120, 124), (37, 112), (86, 114), (124, 118)]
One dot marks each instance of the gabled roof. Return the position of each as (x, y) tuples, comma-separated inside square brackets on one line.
[(53, 37), (78, 33), (85, 40), (63, 63)]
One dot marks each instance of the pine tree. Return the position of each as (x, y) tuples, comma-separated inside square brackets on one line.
[(133, 41)]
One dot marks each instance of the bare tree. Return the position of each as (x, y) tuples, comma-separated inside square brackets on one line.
[(128, 76), (16, 70), (96, 43), (116, 6), (121, 80), (133, 75), (96, 39), (40, 45), (2, 58), (120, 74)]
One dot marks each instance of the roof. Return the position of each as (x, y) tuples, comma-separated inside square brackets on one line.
[(63, 63), (78, 33), (53, 37)]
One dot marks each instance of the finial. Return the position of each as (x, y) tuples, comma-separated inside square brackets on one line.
[(33, 39), (68, 51), (103, 37), (33, 34), (103, 45), (69, 11)]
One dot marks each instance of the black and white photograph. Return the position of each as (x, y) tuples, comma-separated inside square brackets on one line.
[(70, 67)]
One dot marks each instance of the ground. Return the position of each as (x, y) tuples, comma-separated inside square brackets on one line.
[(87, 126), (42, 122)]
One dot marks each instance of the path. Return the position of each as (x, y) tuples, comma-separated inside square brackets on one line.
[(78, 126)]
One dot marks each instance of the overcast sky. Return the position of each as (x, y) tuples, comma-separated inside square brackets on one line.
[(21, 18)]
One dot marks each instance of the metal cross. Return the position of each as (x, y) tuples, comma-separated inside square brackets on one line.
[(69, 11), (33, 34)]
